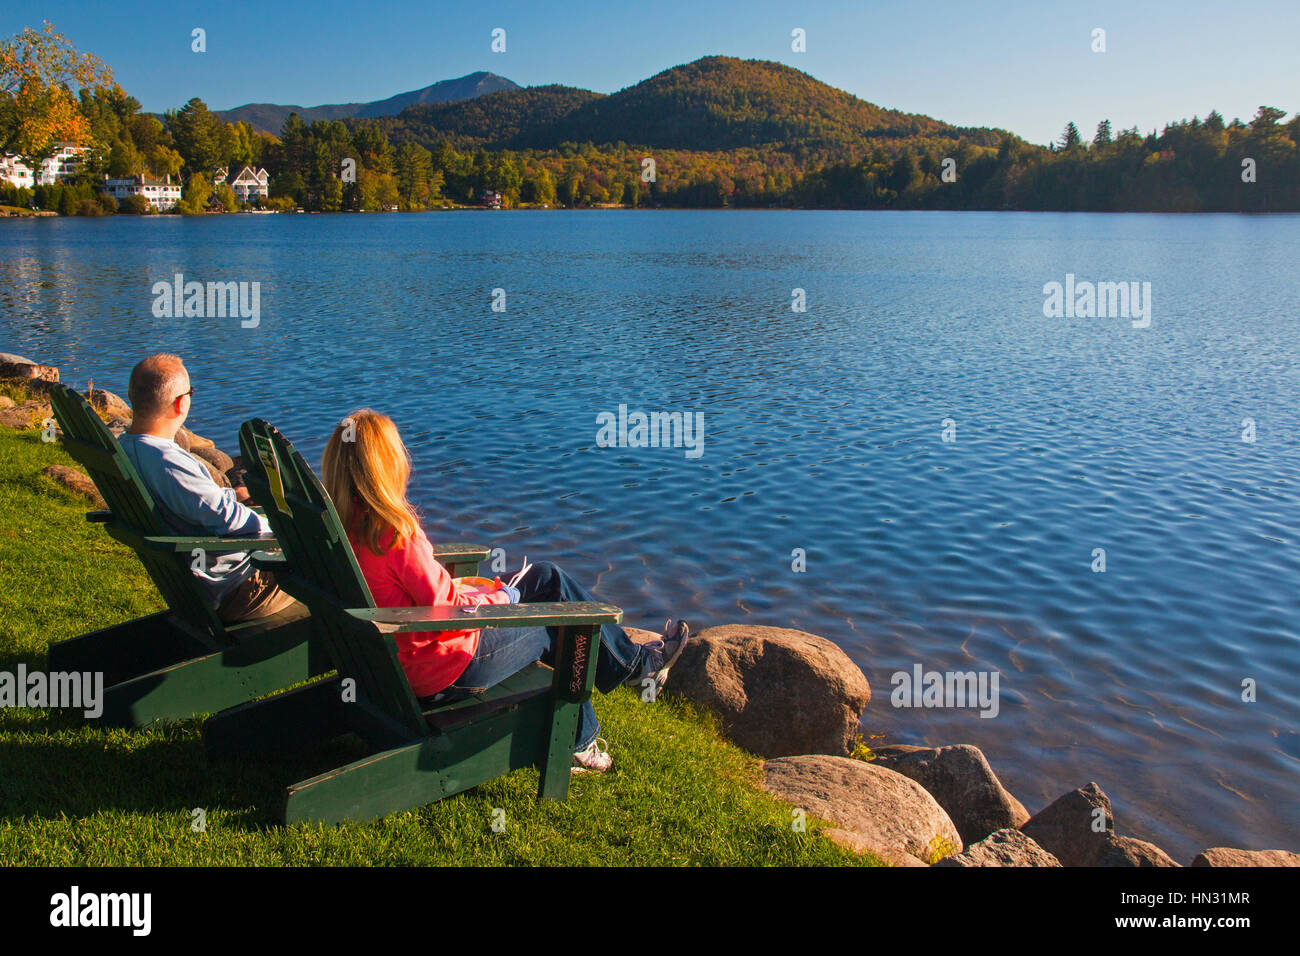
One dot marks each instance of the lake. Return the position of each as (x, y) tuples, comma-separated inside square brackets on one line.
[(920, 466)]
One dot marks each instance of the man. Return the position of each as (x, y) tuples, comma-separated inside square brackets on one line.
[(190, 502)]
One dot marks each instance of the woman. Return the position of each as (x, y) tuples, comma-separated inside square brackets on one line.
[(366, 468)]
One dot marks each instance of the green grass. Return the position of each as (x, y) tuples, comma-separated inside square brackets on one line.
[(11, 388), (73, 794)]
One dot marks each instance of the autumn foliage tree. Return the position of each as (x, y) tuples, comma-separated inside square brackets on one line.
[(40, 72)]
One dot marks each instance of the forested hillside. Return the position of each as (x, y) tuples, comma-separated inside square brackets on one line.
[(719, 132)]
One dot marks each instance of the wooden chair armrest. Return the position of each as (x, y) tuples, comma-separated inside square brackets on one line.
[(268, 560), (460, 553), (450, 618), (215, 545)]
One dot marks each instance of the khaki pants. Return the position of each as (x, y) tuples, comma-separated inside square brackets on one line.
[(257, 596)]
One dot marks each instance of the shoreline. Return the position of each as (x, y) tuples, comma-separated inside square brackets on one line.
[(50, 214), (967, 762)]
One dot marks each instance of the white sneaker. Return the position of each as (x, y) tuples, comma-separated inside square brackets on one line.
[(594, 758)]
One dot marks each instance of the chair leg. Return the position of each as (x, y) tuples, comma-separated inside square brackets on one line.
[(575, 673), (557, 766), (313, 712)]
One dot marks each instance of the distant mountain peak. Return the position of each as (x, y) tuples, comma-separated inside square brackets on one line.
[(270, 117)]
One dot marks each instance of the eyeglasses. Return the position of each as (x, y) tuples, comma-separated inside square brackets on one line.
[(183, 394)]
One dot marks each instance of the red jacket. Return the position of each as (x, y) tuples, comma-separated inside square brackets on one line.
[(412, 577)]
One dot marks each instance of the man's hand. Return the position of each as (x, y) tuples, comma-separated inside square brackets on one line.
[(242, 495)]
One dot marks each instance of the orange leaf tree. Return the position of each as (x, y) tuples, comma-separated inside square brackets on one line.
[(39, 72)]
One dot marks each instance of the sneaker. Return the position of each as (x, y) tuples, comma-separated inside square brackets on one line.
[(676, 633), (594, 758), (660, 654)]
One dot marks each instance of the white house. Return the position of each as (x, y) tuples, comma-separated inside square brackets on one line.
[(15, 172), (162, 193), (249, 184), (66, 161)]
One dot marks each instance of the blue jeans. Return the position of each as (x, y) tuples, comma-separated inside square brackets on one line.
[(503, 651)]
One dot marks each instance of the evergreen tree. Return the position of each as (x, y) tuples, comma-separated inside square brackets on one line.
[(198, 136)]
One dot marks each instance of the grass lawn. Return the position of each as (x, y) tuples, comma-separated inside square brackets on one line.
[(74, 794)]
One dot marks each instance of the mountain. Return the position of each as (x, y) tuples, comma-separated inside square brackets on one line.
[(270, 117), (509, 116), (715, 103)]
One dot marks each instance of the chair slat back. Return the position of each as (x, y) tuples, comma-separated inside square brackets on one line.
[(87, 439), (318, 555)]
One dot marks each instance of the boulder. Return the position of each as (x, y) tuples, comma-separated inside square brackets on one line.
[(26, 370), (106, 402), (77, 481), (118, 425), (8, 358), (15, 417), (1128, 851), (963, 783), (1065, 828), (235, 473), (27, 414), (40, 410), (873, 808), (1006, 847), (7, 402), (213, 456), (640, 635), (36, 388), (778, 692), (194, 441), (1068, 829), (1227, 856), (859, 843), (217, 474)]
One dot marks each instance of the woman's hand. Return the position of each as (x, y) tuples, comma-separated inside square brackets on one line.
[(512, 593)]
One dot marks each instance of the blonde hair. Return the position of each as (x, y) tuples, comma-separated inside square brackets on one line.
[(365, 469)]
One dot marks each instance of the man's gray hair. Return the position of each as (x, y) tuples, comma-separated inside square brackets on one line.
[(156, 382)]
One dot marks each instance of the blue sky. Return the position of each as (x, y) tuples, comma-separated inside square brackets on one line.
[(1017, 64)]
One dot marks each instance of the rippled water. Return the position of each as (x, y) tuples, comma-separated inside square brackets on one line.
[(822, 433)]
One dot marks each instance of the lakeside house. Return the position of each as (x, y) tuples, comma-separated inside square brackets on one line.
[(15, 172), (491, 199), (66, 161), (247, 184), (163, 194)]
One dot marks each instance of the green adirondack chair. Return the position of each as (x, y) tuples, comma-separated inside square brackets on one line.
[(185, 660), (417, 755)]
